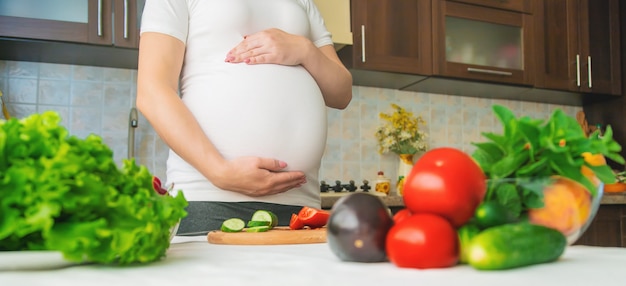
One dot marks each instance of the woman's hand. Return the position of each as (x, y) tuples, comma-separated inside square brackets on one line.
[(254, 176), (272, 46)]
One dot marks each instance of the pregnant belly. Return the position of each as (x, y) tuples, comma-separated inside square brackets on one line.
[(264, 110)]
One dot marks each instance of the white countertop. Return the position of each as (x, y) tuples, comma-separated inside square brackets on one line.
[(193, 261)]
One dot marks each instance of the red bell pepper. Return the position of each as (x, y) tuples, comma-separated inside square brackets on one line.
[(311, 217)]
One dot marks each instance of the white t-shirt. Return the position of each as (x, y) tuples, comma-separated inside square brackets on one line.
[(264, 110)]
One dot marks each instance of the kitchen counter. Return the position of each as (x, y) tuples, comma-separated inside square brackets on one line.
[(193, 261), (329, 199), (614, 198)]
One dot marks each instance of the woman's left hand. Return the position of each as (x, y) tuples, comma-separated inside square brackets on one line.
[(272, 46)]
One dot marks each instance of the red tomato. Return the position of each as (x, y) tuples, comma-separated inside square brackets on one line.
[(447, 182), (423, 241), (401, 215), (311, 217)]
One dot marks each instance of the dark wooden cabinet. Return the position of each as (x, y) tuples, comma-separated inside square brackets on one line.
[(429, 37), (93, 30), (95, 33), (483, 42), (578, 44), (126, 22), (107, 22), (607, 229), (512, 5), (392, 35)]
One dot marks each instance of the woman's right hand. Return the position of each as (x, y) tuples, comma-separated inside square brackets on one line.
[(254, 176)]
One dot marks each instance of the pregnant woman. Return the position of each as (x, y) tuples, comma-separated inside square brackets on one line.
[(238, 90)]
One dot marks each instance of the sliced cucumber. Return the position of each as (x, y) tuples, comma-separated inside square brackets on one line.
[(261, 228), (265, 215), (254, 223), (233, 225)]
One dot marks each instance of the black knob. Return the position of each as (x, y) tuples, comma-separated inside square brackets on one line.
[(337, 187), (324, 187), (365, 187), (351, 187)]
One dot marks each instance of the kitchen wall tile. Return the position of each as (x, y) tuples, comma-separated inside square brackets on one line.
[(3, 86), (329, 171), (22, 90), (116, 140), (114, 119), (117, 95), (117, 75), (85, 120), (54, 92), (88, 73), (350, 129), (98, 100), (18, 110), (454, 115), (23, 69), (55, 71), (350, 150), (334, 123), (332, 152), (87, 93)]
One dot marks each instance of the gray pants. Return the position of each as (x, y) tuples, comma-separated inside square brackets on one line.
[(203, 217)]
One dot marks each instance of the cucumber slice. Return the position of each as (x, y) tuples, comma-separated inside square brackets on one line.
[(265, 215), (254, 223), (233, 225), (261, 228)]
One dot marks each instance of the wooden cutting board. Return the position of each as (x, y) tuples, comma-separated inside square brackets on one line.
[(277, 235)]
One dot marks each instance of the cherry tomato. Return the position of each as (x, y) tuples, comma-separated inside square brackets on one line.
[(423, 241), (445, 181), (311, 217), (401, 215)]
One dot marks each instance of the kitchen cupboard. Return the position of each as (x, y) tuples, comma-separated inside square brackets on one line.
[(483, 42), (608, 227), (102, 22), (512, 5), (92, 32), (392, 35), (578, 43)]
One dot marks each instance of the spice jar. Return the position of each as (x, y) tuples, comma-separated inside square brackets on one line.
[(383, 184)]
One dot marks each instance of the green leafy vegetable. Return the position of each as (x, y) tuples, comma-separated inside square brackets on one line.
[(59, 192), (530, 151)]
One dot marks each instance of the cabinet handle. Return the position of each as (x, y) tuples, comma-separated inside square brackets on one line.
[(363, 43), (589, 70), (125, 19), (578, 70), (99, 18), (489, 72)]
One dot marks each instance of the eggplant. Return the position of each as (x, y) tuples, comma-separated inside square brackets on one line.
[(357, 228)]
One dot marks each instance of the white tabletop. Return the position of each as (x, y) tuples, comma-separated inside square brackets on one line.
[(193, 261)]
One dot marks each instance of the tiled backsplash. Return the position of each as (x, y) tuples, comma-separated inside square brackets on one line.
[(98, 100)]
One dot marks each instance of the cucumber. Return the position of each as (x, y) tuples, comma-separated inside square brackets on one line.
[(265, 215), (233, 225), (515, 245)]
